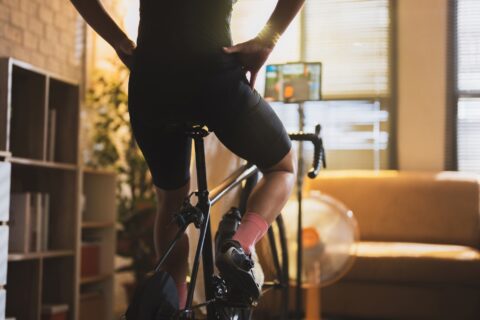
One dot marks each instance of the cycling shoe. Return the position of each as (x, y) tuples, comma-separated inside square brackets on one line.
[(237, 269)]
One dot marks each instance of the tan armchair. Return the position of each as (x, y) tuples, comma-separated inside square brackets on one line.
[(419, 254)]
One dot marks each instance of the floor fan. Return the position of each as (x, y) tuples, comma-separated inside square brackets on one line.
[(330, 235)]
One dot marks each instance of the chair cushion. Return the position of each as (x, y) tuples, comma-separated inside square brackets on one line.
[(416, 262)]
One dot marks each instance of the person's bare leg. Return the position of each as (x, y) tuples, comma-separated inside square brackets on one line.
[(273, 190), (234, 258), (264, 204), (169, 202)]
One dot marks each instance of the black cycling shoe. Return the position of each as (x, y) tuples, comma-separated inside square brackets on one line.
[(227, 227), (236, 268)]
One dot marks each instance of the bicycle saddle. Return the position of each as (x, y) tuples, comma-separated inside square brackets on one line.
[(197, 130), (189, 128)]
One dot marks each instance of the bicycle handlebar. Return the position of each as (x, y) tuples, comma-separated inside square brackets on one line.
[(318, 152)]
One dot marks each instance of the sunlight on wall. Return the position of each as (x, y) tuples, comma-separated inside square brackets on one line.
[(131, 17), (103, 63), (247, 23), (126, 14)]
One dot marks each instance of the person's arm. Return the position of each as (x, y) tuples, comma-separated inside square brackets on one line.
[(280, 19), (255, 52), (95, 15)]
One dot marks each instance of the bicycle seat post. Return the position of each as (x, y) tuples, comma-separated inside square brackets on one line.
[(197, 133)]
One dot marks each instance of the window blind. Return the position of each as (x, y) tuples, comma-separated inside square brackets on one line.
[(468, 85), (468, 45), (468, 134), (351, 39)]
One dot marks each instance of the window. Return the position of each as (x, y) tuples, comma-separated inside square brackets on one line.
[(352, 40), (468, 85)]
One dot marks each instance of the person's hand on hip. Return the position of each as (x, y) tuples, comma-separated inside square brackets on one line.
[(125, 49), (252, 55)]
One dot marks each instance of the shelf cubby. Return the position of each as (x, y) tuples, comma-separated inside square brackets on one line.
[(99, 197), (62, 115), (105, 238), (95, 301), (27, 112), (23, 290), (57, 284), (61, 186), (98, 226)]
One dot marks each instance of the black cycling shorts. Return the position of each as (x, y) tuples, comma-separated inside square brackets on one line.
[(161, 100)]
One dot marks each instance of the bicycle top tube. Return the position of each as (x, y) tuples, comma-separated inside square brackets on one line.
[(247, 170), (241, 174)]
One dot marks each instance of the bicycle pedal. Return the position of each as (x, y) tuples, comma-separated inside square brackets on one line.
[(253, 302), (220, 287)]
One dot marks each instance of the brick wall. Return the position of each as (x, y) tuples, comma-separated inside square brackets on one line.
[(45, 33)]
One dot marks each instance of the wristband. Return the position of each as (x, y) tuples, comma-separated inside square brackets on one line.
[(269, 36)]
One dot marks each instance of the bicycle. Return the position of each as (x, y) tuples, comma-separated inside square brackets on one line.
[(220, 301)]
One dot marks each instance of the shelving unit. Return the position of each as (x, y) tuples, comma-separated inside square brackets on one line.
[(98, 224), (5, 171), (39, 139)]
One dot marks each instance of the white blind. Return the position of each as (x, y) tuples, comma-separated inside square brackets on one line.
[(468, 107), (351, 39), (468, 133), (468, 45)]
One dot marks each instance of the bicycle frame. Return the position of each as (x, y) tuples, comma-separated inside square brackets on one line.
[(200, 216), (205, 201)]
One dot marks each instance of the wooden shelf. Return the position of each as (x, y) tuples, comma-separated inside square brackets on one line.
[(93, 279), (35, 69), (12, 257), (42, 163), (98, 171), (97, 224)]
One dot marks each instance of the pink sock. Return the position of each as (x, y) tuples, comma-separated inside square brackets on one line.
[(251, 230), (182, 294)]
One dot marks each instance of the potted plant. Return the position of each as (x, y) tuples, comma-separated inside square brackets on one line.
[(112, 146)]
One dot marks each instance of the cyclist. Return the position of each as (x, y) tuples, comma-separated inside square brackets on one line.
[(184, 69)]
